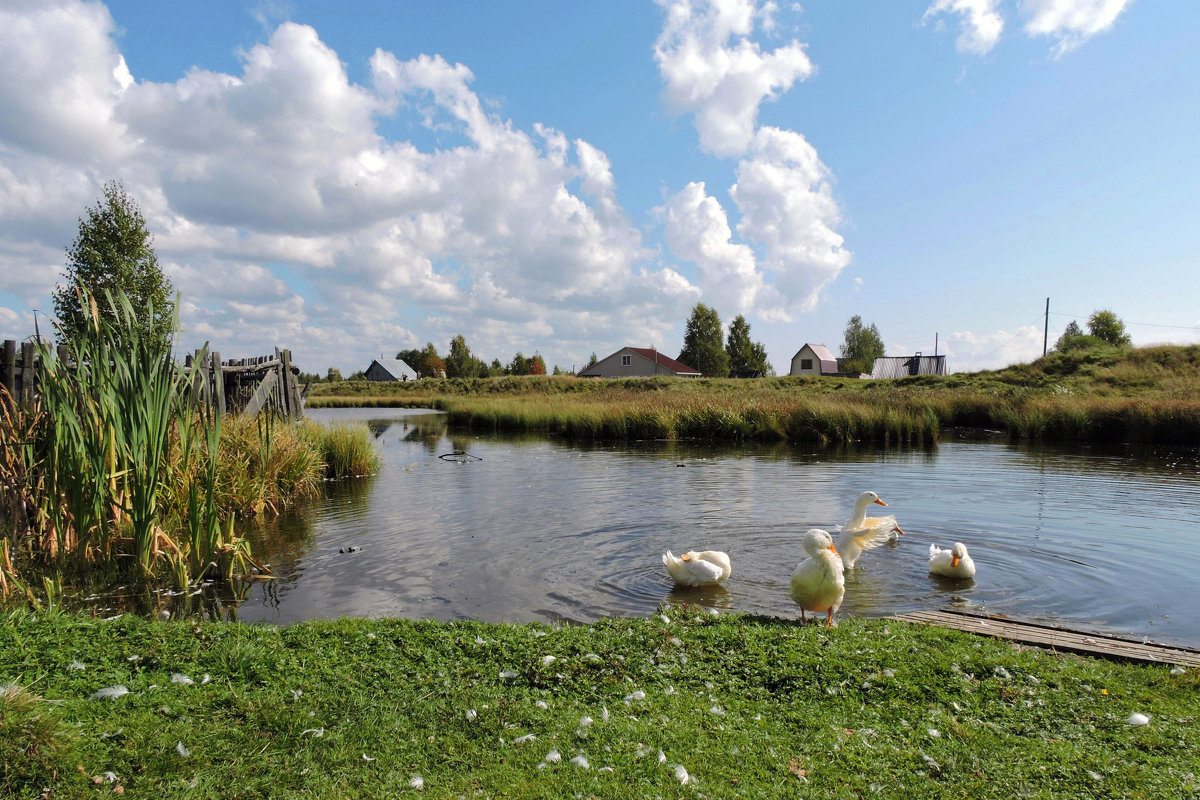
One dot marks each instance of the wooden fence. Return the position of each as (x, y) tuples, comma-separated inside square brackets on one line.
[(247, 385)]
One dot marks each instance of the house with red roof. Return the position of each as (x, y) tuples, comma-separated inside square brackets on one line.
[(638, 362)]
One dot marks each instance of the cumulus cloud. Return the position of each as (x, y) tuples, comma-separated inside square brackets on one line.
[(714, 70), (785, 194), (62, 78), (980, 20), (1070, 22), (968, 351), (697, 230), (286, 217)]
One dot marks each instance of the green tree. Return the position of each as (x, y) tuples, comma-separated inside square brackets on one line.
[(702, 347), (519, 365), (113, 251), (861, 346), (460, 363), (432, 365), (537, 365), (413, 358), (1073, 338), (745, 355), (333, 375), (591, 361), (1108, 327)]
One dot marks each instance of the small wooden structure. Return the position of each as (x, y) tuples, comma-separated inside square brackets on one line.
[(1055, 638), (249, 385), (246, 385)]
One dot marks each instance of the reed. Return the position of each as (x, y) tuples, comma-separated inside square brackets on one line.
[(117, 464), (346, 450)]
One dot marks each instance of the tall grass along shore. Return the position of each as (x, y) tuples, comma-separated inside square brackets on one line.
[(1146, 395), (682, 704), (118, 467)]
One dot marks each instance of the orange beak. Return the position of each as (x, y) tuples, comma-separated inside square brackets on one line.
[(879, 502), (685, 557), (834, 549), (954, 561), (899, 531)]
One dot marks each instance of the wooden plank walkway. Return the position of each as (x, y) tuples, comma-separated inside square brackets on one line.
[(1048, 636)]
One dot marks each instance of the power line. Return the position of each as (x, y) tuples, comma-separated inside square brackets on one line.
[(1147, 324)]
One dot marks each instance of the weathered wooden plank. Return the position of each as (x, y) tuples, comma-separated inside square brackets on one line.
[(232, 368), (261, 395), (27, 360), (1039, 635), (8, 366), (291, 392)]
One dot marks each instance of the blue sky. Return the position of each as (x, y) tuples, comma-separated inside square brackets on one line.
[(568, 178)]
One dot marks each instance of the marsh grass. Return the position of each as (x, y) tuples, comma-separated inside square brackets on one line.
[(748, 707), (1146, 395), (117, 464)]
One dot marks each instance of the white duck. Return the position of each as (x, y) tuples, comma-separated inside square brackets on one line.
[(861, 533), (819, 584), (952, 563), (704, 568)]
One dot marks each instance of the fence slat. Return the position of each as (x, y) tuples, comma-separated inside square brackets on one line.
[(8, 366)]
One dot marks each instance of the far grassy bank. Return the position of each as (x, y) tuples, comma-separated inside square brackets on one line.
[(681, 705), (1147, 395)]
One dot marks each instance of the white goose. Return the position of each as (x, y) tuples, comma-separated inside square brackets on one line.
[(952, 563), (703, 568), (861, 533), (819, 584)]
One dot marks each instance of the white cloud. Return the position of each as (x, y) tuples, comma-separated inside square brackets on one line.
[(981, 23), (785, 194), (286, 217), (61, 78), (697, 230), (1071, 22), (967, 351), (714, 70)]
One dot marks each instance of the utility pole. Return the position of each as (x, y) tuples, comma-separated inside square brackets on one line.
[(1046, 329)]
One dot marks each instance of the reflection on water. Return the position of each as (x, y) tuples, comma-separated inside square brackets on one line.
[(1097, 537)]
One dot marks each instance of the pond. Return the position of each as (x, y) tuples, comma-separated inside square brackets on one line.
[(532, 529)]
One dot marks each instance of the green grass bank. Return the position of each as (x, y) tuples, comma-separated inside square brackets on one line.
[(1146, 395), (682, 704)]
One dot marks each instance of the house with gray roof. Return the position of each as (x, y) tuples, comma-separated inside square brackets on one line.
[(390, 369)]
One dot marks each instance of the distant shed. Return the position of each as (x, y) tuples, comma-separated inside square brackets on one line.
[(390, 369), (904, 366)]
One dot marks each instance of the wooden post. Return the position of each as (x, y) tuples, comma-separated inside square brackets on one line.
[(291, 396), (262, 394), (8, 366), (27, 372)]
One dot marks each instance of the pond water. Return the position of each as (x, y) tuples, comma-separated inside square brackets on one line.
[(1103, 539)]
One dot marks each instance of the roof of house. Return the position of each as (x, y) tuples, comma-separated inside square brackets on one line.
[(396, 368), (903, 366), (664, 361), (828, 362)]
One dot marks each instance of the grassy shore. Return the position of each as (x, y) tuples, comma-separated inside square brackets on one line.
[(1147, 395), (679, 705)]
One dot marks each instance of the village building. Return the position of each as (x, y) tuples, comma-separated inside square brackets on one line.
[(814, 359), (638, 362), (903, 366), (390, 369)]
